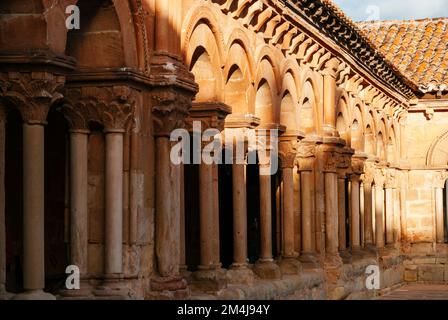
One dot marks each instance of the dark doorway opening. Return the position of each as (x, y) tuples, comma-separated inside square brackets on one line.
[(13, 202), (56, 202)]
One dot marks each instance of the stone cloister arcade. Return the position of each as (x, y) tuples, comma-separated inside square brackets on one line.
[(85, 123)]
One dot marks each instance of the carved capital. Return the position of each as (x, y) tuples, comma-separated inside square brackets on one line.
[(170, 108), (391, 181), (330, 161), (211, 115), (357, 166), (33, 93), (379, 178), (288, 153), (113, 107), (440, 178)]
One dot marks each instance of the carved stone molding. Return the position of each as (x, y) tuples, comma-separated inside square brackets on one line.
[(111, 106), (331, 161), (33, 93)]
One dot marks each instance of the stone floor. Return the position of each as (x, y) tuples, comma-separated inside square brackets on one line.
[(418, 292)]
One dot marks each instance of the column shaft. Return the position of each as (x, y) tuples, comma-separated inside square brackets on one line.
[(341, 214), (379, 207), (239, 215), (288, 209), (368, 221), (355, 220), (114, 203), (206, 212), (167, 218), (78, 200), (33, 207), (440, 235), (331, 208), (265, 218), (216, 257), (389, 216), (307, 234)]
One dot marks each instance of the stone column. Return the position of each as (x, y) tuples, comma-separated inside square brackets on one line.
[(306, 156), (331, 204), (114, 203), (368, 208), (389, 202), (341, 212), (288, 152), (171, 101), (329, 99), (379, 209), (355, 238), (206, 218), (440, 230), (239, 271), (265, 266), (2, 204), (78, 202)]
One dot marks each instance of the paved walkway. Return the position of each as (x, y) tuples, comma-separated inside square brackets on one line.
[(418, 292)]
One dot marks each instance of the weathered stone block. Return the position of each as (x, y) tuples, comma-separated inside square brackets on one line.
[(431, 273)]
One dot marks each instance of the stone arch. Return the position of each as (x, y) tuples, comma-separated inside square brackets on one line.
[(343, 117), (392, 146), (104, 24), (437, 154), (289, 103), (309, 104), (239, 91), (357, 130), (266, 95), (203, 60), (369, 135), (239, 37), (201, 15), (382, 139)]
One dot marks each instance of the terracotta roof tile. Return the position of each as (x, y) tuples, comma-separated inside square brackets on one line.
[(418, 48)]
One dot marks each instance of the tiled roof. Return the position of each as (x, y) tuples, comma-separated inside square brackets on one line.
[(418, 48), (327, 16)]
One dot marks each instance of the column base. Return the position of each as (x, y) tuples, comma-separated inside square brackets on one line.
[(345, 256), (85, 292), (112, 288), (332, 260), (5, 295), (267, 269), (290, 266), (240, 274), (34, 295), (309, 261), (168, 288), (357, 252), (209, 279)]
